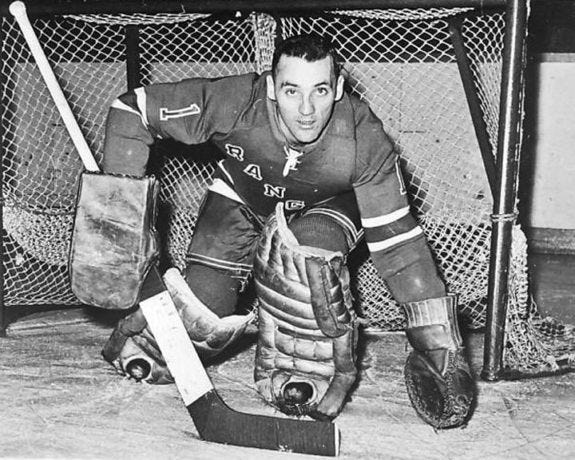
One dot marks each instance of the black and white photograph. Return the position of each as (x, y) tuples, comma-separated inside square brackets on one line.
[(287, 230)]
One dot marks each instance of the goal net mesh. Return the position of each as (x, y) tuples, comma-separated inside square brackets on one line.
[(401, 61)]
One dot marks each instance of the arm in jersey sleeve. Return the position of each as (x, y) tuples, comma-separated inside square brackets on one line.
[(397, 244), (189, 111)]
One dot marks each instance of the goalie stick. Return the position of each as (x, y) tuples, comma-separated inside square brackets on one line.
[(214, 420)]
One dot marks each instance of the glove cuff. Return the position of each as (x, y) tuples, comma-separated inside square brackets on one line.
[(432, 324)]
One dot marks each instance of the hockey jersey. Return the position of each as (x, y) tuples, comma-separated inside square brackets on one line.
[(234, 113)]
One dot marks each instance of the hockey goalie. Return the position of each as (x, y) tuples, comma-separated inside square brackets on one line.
[(307, 173)]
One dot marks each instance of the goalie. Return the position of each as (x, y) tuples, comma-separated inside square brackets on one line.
[(307, 170)]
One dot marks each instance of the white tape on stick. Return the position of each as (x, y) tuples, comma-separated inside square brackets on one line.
[(18, 10)]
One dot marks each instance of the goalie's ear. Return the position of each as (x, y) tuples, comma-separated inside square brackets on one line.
[(271, 87)]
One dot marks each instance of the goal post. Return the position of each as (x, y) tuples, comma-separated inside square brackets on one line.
[(444, 76), (505, 194)]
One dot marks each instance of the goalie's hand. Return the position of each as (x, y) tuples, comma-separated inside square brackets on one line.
[(437, 375), (440, 387)]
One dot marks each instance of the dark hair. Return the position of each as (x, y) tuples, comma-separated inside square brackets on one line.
[(309, 47)]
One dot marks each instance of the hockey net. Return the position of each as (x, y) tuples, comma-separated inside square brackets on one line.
[(401, 61)]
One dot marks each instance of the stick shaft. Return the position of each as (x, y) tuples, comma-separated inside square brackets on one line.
[(181, 357), (18, 10)]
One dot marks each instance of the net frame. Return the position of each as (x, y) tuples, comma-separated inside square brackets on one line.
[(507, 138)]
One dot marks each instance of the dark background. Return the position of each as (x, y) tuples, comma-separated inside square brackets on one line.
[(552, 26)]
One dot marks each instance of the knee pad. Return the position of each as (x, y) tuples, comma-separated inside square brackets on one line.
[(320, 231)]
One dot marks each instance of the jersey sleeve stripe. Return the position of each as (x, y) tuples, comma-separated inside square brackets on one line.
[(141, 100), (386, 219), (395, 240), (384, 232), (118, 104)]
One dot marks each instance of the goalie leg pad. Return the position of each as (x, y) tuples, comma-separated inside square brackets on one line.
[(136, 360), (329, 294), (127, 327), (437, 375), (345, 374), (114, 242), (210, 334), (132, 348), (307, 329)]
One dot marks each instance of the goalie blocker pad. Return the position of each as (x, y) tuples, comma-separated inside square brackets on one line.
[(114, 241), (305, 356)]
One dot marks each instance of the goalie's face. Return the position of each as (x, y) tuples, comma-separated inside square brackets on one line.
[(305, 93)]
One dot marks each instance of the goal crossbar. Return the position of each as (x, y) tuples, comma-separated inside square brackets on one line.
[(39, 7)]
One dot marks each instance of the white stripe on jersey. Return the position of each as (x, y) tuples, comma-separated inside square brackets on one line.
[(219, 263), (141, 101), (379, 221), (228, 175), (219, 186), (394, 240), (118, 104)]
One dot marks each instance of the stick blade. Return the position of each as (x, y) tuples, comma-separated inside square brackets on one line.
[(216, 422)]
